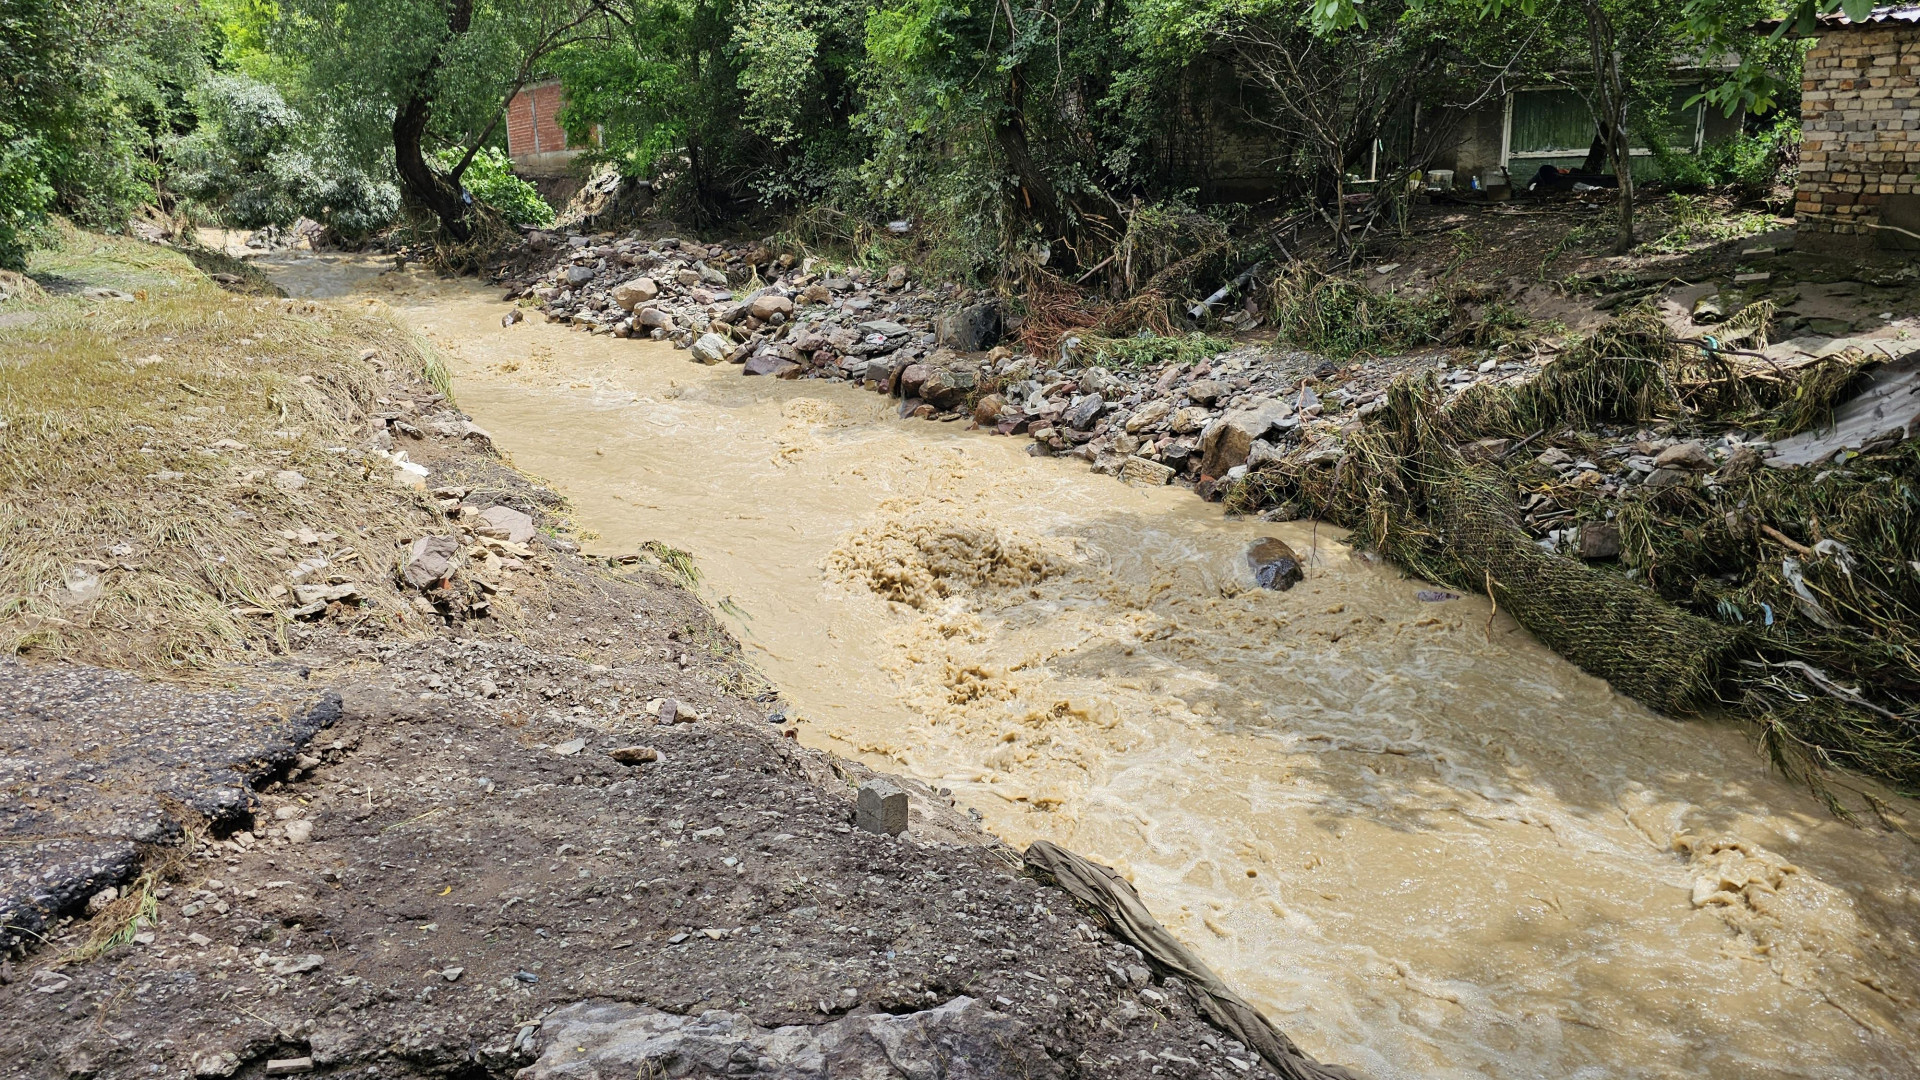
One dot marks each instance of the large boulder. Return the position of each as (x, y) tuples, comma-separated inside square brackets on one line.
[(712, 349), (505, 523), (769, 363), (652, 318), (577, 276), (430, 561), (946, 388), (1687, 455), (1274, 564), (1139, 470), (912, 378), (1188, 420), (631, 294), (986, 411), (765, 306), (1147, 415), (1205, 391), (973, 328), (1228, 440), (1098, 380), (1084, 411)]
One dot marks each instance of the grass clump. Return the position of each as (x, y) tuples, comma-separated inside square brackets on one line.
[(1151, 350), (1692, 221), (148, 452), (1341, 317)]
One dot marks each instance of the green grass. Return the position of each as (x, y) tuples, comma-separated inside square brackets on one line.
[(1153, 350)]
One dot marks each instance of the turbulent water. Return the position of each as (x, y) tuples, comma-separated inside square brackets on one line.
[(1423, 843)]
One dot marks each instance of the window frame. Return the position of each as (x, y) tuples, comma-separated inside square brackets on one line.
[(1508, 155)]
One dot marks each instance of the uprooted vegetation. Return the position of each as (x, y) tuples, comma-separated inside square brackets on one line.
[(1787, 597), (165, 448)]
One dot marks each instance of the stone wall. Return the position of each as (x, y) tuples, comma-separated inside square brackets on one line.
[(1860, 135)]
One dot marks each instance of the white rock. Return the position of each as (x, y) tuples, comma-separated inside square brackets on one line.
[(505, 523), (711, 349)]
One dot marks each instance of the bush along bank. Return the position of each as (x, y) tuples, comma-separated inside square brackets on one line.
[(1708, 522)]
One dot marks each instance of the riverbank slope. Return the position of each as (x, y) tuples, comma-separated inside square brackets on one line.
[(362, 767)]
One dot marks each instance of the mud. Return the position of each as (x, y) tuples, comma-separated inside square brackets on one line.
[(1419, 840), (416, 877)]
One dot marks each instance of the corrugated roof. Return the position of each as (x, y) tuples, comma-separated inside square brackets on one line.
[(1902, 13)]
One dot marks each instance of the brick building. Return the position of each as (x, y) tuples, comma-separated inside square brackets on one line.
[(535, 141), (1860, 133)]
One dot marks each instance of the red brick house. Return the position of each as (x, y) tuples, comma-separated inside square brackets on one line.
[(1859, 180), (535, 141)]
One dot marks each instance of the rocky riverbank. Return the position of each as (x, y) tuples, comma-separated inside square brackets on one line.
[(424, 791), (1734, 487), (1214, 421)]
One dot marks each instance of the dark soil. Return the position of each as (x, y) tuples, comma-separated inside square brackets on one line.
[(456, 857)]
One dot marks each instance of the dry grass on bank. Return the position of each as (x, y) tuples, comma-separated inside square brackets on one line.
[(147, 447)]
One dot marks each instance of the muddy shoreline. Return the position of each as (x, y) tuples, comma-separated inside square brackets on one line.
[(445, 869), (1140, 701)]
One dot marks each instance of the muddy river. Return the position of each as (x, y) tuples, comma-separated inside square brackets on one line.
[(1423, 843)]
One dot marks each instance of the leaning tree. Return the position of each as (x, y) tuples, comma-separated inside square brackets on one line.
[(421, 77)]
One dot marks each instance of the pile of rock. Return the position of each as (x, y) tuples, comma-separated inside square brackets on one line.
[(456, 574), (773, 314), (1207, 423)]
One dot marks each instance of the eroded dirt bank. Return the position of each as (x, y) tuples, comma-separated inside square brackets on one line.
[(447, 872), (1419, 840)]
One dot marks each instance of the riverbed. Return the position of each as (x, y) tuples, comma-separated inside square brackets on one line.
[(1419, 840)]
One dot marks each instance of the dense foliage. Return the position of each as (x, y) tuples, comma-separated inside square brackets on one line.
[(490, 179), (89, 90), (996, 135)]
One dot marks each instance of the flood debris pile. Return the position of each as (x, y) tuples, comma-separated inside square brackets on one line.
[(1669, 518)]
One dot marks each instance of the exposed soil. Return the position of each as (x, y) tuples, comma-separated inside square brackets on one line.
[(459, 855)]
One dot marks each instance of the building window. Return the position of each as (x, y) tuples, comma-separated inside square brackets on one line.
[(1548, 125)]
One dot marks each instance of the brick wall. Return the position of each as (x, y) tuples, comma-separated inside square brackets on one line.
[(1860, 130), (533, 125)]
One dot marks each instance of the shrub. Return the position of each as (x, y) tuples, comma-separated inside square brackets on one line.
[(490, 179), (24, 196), (240, 160), (1752, 162), (353, 204), (1341, 316), (253, 161)]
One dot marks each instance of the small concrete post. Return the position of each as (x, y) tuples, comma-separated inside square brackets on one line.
[(882, 808)]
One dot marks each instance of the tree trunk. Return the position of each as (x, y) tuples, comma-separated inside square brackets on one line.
[(1610, 93), (417, 178), (1037, 201), (421, 183)]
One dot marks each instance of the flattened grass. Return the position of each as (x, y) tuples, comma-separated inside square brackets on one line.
[(146, 453)]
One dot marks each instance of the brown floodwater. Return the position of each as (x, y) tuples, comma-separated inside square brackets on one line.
[(1421, 841)]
